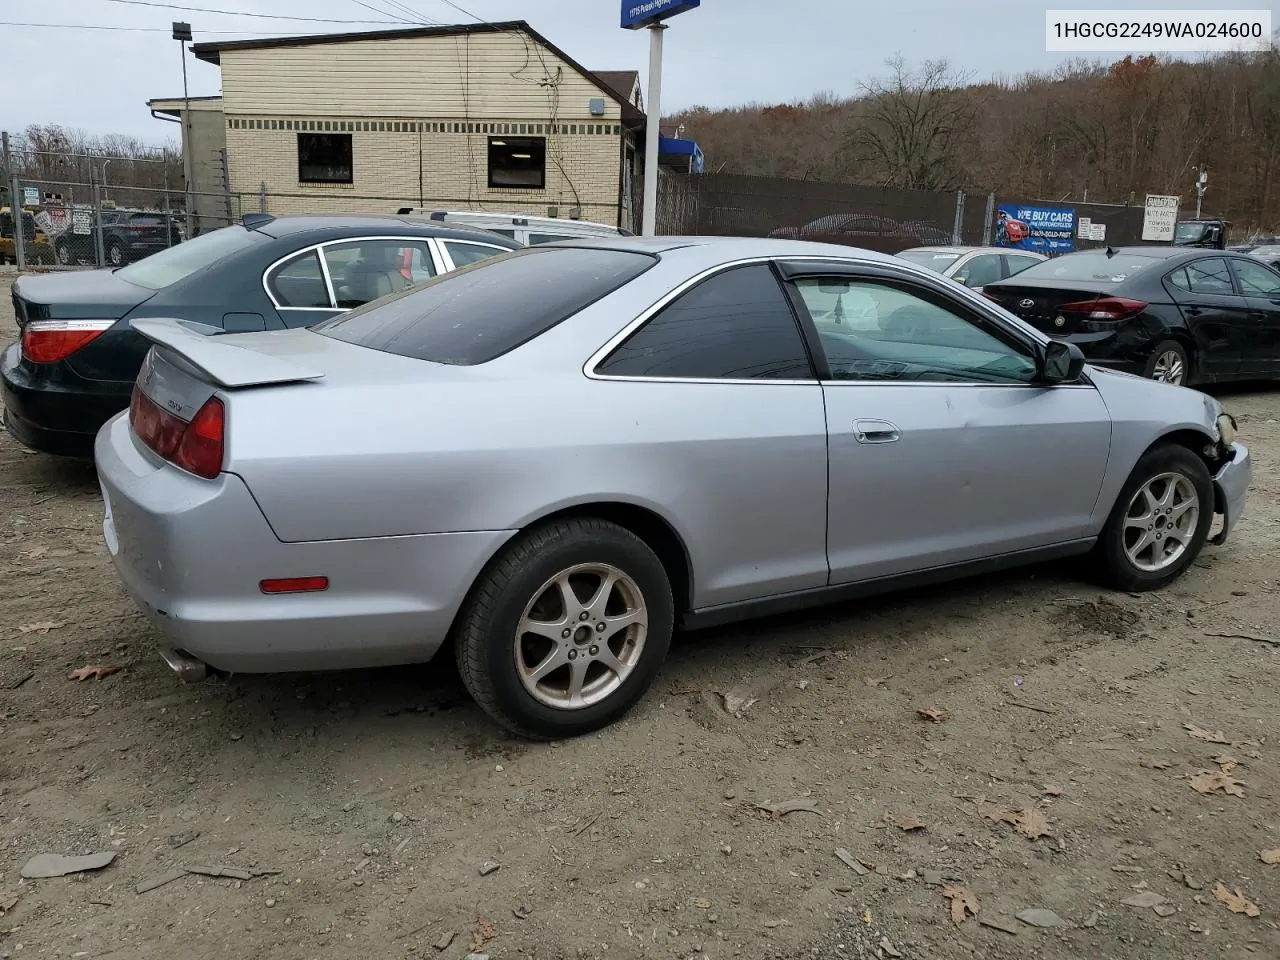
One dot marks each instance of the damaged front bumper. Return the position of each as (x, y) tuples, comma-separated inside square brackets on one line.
[(1229, 486)]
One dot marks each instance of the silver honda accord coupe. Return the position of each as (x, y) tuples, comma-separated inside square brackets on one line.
[(549, 460)]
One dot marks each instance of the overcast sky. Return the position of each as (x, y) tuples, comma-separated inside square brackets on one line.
[(727, 52)]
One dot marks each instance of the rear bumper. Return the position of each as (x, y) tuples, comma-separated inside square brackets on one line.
[(56, 412), (192, 552), (1230, 484)]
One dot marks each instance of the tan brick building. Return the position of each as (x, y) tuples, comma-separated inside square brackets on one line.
[(481, 117)]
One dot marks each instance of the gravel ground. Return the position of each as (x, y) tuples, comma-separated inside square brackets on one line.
[(375, 800)]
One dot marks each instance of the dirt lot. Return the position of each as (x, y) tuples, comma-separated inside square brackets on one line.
[(378, 797)]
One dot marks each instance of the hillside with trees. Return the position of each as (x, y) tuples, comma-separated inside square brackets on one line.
[(1088, 131)]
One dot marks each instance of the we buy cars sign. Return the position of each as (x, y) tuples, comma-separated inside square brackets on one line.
[(1043, 229)]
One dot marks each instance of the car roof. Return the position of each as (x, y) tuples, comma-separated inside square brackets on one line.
[(323, 226), (506, 218), (730, 248), (964, 249)]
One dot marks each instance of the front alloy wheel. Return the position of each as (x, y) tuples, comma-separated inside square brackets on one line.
[(1161, 522)]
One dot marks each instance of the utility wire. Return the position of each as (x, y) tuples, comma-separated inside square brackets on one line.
[(464, 11), (399, 18), (94, 26), (238, 13)]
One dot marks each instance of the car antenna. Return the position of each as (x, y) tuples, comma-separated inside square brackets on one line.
[(252, 221)]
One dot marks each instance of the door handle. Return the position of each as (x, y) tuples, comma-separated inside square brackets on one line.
[(1194, 311), (875, 431)]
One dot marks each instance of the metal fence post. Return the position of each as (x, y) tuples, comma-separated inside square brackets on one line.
[(987, 220), (956, 230), (97, 219), (262, 197), (226, 184)]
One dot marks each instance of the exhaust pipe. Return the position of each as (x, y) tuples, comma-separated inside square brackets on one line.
[(187, 667)]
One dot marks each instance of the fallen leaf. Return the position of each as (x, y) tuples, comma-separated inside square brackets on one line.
[(933, 714), (701, 903), (1236, 902), (906, 822), (92, 672), (1270, 856), (1226, 763), (962, 901), (1202, 734), (1029, 822), (9, 899), (1052, 790), (780, 810), (44, 626), (483, 933), (1210, 781)]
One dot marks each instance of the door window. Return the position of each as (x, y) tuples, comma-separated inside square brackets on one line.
[(1257, 280), (1015, 264), (464, 254), (364, 270), (982, 269), (548, 237), (300, 283), (736, 325), (876, 331), (1208, 277)]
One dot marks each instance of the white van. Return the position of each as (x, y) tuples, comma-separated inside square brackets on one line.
[(518, 226)]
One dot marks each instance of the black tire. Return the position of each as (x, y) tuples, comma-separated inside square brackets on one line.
[(1163, 357), (486, 634), (1114, 567)]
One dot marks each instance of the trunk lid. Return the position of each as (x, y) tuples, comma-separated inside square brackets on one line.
[(1041, 307), (75, 295)]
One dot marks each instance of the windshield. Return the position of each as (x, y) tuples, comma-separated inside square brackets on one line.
[(170, 265), (482, 311), (1092, 267), (1189, 232), (933, 259)]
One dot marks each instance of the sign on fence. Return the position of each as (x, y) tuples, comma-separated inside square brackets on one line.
[(1044, 229), (81, 221), (1160, 219), (30, 196)]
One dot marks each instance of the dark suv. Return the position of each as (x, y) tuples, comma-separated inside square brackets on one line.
[(127, 235)]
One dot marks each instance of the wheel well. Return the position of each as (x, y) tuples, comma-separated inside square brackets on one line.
[(654, 531), (1201, 444)]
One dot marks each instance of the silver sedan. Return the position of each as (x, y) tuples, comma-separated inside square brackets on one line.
[(549, 460)]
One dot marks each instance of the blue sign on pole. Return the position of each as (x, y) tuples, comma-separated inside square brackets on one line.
[(1043, 229), (642, 13)]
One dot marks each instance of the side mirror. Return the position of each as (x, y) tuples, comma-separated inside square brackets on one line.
[(1061, 363)]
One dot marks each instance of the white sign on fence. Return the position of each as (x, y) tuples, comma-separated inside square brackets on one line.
[(1082, 227), (30, 196), (1160, 218), (81, 221), (1098, 231)]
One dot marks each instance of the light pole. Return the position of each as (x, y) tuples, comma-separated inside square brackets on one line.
[(1202, 182), (650, 14), (182, 33)]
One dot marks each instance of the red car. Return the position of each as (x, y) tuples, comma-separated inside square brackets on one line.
[(1016, 230)]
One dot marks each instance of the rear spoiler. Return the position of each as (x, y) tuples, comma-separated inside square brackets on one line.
[(223, 362)]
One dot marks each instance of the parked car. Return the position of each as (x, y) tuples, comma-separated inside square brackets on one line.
[(74, 366), (520, 227), (865, 230), (1169, 313), (127, 235), (973, 266), (1269, 255), (552, 457)]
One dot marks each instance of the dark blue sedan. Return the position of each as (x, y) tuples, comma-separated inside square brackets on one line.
[(78, 356)]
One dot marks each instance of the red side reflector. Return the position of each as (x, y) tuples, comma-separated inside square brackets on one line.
[(294, 585), (48, 341)]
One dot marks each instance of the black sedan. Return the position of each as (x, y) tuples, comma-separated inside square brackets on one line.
[(1168, 313), (74, 366)]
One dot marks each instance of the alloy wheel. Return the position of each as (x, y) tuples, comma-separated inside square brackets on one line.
[(1161, 522), (1169, 368), (581, 636)]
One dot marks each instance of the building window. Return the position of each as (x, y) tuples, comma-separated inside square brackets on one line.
[(324, 158), (518, 162)]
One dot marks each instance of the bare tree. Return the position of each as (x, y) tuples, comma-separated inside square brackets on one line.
[(916, 126)]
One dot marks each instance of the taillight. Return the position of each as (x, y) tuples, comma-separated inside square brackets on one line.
[(1106, 308), (48, 341), (196, 447)]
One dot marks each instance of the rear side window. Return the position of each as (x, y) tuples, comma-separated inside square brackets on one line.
[(547, 237), (482, 311), (736, 325)]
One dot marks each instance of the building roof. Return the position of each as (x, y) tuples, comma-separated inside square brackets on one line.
[(623, 81), (212, 52)]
